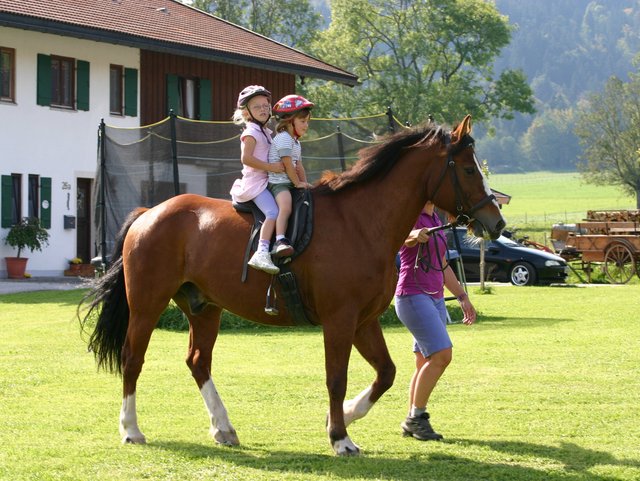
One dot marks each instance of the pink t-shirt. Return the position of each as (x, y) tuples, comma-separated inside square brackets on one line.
[(431, 281), (253, 180)]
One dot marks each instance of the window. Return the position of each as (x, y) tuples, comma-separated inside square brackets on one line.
[(39, 197), (189, 97), (63, 82), (7, 74), (34, 198), (123, 91), (115, 90)]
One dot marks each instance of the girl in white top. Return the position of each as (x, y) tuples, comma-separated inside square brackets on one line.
[(293, 112), (254, 111)]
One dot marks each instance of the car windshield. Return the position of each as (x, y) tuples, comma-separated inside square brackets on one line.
[(508, 242), (472, 242)]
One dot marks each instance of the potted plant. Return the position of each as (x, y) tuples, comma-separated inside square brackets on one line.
[(26, 234), (74, 265)]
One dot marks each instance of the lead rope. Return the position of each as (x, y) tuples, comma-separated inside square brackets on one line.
[(420, 263), (423, 262)]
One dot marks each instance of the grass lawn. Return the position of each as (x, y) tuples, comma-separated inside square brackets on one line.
[(544, 387), (550, 197), (541, 199)]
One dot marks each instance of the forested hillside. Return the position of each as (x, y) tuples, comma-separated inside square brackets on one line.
[(453, 57), (567, 49)]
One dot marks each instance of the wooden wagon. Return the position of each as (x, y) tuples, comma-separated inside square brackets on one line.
[(608, 237)]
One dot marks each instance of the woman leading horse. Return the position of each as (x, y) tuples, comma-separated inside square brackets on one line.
[(182, 249)]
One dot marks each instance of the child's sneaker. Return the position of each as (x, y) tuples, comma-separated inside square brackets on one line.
[(262, 261), (282, 248)]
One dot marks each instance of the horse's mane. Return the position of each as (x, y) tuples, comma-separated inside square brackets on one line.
[(379, 159)]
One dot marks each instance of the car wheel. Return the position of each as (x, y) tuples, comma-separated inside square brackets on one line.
[(522, 274)]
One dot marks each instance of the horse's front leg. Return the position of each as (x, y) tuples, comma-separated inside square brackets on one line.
[(337, 349), (371, 344), (203, 331)]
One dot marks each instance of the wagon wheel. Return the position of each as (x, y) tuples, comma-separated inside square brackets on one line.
[(619, 263)]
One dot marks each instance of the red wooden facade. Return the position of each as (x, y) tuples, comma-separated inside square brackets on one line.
[(227, 80)]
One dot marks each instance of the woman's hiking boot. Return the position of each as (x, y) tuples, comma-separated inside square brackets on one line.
[(262, 261), (420, 428)]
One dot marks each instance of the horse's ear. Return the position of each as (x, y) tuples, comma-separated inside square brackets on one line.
[(462, 129)]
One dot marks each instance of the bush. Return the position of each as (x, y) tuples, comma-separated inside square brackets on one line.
[(173, 319), (27, 234)]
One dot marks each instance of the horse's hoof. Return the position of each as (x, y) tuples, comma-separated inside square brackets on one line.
[(227, 438), (134, 440), (346, 447)]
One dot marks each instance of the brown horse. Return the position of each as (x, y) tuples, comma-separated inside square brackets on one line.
[(189, 249)]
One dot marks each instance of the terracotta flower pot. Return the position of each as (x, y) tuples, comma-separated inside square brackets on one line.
[(16, 267)]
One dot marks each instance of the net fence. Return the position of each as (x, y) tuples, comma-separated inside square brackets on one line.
[(144, 166)]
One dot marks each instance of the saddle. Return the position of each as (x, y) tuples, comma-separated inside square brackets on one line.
[(299, 231)]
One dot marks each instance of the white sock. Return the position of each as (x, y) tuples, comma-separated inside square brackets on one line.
[(263, 245), (279, 237), (415, 411)]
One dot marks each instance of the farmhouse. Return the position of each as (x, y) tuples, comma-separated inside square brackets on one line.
[(65, 65)]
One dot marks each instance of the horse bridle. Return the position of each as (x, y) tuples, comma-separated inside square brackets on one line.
[(462, 217)]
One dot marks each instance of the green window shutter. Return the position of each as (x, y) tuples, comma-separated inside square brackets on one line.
[(7, 188), (45, 200), (82, 82), (173, 102), (44, 80), (131, 92), (205, 99)]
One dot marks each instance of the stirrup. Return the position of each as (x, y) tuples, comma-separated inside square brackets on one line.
[(271, 305)]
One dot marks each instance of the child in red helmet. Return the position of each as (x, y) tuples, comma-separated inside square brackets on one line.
[(254, 111), (293, 113)]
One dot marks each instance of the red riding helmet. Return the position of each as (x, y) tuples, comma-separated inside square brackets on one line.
[(291, 104), (251, 91)]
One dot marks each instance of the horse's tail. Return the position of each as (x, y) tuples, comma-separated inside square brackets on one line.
[(107, 306)]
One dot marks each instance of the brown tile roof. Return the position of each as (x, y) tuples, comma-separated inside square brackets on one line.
[(167, 26)]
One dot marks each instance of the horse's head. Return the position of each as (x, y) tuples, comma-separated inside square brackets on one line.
[(462, 188)]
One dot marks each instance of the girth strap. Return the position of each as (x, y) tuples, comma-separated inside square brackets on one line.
[(291, 296)]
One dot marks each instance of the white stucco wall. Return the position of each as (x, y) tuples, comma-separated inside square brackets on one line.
[(54, 142)]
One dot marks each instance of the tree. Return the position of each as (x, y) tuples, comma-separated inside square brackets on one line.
[(550, 143), (608, 127), (230, 10), (292, 22), (422, 57)]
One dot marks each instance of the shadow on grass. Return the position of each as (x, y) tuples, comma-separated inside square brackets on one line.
[(420, 467), (574, 458), (520, 321)]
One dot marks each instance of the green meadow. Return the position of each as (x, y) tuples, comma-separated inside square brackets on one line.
[(544, 387), (540, 199)]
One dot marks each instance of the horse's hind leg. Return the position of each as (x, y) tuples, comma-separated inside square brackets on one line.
[(203, 331), (371, 344), (139, 332)]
